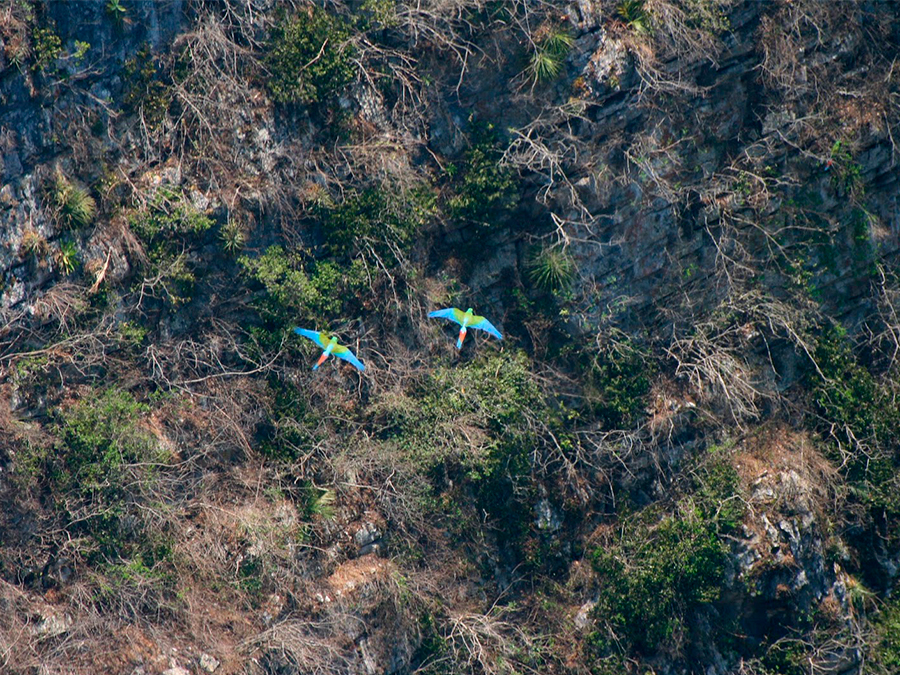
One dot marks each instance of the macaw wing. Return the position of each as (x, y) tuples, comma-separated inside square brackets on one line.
[(313, 335), (450, 313), (481, 323), (344, 353)]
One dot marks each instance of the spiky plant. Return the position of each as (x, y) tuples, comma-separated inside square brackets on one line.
[(550, 54), (232, 237), (551, 269), (67, 257), (75, 208), (323, 504), (33, 245), (634, 15)]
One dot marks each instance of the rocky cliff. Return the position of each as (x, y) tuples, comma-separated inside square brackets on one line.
[(682, 458)]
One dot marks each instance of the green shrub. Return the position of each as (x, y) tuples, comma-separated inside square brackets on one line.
[(74, 207), (47, 47), (617, 380), (168, 226), (634, 15), (101, 436), (862, 414), (146, 91), (652, 581), (495, 400), (884, 650), (295, 288), (484, 191), (373, 220), (309, 58), (232, 237)]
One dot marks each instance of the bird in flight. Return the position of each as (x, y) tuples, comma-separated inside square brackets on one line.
[(331, 346), (467, 320)]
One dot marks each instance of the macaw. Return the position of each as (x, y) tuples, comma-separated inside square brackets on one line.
[(331, 346), (467, 320)]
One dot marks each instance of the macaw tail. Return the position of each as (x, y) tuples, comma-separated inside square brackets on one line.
[(462, 336), (320, 361)]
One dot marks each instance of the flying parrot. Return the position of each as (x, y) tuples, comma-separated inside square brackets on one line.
[(467, 320), (331, 346)]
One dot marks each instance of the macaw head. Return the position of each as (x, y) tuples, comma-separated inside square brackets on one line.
[(469, 311), (333, 340)]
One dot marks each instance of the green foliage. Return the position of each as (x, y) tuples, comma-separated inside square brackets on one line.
[(296, 288), (634, 15), (81, 50), (232, 237), (67, 257), (496, 400), (551, 269), (655, 578), (846, 173), (115, 10), (485, 192), (372, 220), (862, 415), (146, 92), (664, 568), (74, 207), (884, 649), (101, 436), (309, 58), (47, 47), (167, 226), (550, 54), (617, 381)]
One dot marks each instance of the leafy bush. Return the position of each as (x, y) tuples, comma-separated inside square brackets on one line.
[(47, 47), (294, 288), (864, 412), (484, 191), (309, 59), (616, 383), (634, 15), (167, 226), (652, 581), (884, 650), (495, 400), (373, 220), (146, 92), (663, 569)]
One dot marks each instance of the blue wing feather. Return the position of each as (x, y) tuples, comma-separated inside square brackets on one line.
[(313, 335), (450, 313), (345, 354), (483, 324)]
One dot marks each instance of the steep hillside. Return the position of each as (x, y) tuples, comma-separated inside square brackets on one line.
[(682, 457)]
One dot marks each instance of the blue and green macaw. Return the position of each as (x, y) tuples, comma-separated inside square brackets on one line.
[(467, 320), (331, 346)]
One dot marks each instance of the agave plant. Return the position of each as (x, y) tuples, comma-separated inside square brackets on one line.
[(634, 15), (67, 257), (551, 269), (75, 208), (232, 237), (550, 54)]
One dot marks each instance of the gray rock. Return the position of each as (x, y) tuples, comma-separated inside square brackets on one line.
[(208, 662)]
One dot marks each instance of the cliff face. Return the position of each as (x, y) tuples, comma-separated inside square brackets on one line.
[(682, 458)]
